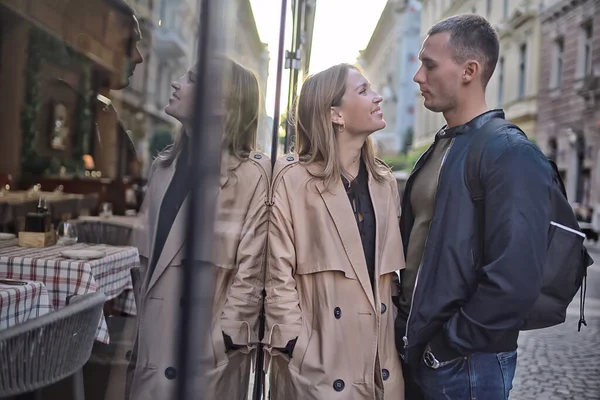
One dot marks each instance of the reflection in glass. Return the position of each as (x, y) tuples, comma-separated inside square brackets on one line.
[(239, 242), (59, 127)]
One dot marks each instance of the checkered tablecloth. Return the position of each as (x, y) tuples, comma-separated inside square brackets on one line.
[(65, 277), (21, 302)]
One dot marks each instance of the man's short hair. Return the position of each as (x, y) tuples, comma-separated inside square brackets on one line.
[(122, 6), (471, 37)]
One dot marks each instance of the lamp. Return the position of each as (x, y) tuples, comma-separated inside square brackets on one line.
[(88, 162)]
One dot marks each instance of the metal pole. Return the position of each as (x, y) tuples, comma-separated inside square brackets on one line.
[(280, 55), (198, 275), (259, 378)]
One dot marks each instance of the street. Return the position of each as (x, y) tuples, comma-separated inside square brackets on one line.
[(559, 362)]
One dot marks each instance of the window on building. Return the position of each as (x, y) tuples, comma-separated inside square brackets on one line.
[(586, 49), (474, 10), (522, 70), (488, 8), (558, 63), (505, 9), (500, 81)]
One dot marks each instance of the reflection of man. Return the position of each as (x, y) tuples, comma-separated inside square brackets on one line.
[(114, 149)]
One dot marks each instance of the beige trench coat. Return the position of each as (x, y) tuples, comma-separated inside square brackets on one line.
[(239, 243), (318, 290)]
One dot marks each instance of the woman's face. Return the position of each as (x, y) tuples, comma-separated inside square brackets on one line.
[(359, 112), (181, 102)]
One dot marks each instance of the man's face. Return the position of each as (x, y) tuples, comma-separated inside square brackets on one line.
[(130, 35), (439, 77)]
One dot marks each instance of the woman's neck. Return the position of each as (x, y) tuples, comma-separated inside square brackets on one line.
[(350, 149)]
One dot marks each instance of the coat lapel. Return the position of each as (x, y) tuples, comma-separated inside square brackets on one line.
[(338, 205), (380, 197), (174, 243), (177, 235)]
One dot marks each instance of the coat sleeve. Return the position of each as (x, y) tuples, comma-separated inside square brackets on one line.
[(240, 316), (282, 309), (518, 184)]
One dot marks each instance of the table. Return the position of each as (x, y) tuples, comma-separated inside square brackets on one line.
[(66, 277), (19, 303)]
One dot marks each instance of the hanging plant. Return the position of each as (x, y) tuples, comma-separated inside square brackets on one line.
[(44, 47)]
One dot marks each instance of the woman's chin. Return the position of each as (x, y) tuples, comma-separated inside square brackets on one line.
[(381, 125)]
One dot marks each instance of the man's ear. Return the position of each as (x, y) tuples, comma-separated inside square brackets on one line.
[(472, 70)]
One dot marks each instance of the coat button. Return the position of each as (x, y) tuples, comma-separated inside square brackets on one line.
[(337, 313), (338, 385), (128, 355), (171, 373), (257, 156), (383, 308), (385, 374)]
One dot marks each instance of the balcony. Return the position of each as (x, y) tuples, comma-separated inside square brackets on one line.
[(168, 43), (588, 87)]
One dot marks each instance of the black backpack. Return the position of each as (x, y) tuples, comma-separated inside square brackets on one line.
[(567, 259)]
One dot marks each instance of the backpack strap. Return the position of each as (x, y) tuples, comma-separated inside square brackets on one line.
[(473, 173)]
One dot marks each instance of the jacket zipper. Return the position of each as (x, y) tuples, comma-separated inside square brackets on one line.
[(412, 301)]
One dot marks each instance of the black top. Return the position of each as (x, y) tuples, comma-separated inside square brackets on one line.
[(171, 203), (360, 199)]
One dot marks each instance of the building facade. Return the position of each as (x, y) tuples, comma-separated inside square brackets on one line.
[(514, 85), (390, 61), (568, 126)]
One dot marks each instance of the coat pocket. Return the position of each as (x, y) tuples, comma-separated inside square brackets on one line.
[(300, 348), (337, 267)]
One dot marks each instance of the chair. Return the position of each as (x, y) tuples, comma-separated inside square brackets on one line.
[(48, 349)]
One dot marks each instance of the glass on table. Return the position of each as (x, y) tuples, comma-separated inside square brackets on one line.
[(66, 233)]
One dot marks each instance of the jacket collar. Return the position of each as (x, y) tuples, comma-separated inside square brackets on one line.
[(470, 126)]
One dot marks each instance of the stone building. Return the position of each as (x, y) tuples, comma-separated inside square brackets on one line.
[(390, 61), (568, 125)]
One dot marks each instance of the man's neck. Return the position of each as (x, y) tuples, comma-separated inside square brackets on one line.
[(465, 113), (350, 148)]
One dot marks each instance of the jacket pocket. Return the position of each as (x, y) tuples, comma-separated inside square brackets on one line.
[(564, 260)]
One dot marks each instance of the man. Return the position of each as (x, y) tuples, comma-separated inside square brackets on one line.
[(459, 318), (125, 49), (112, 148)]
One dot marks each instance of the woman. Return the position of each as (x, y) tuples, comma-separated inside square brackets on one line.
[(239, 241), (334, 249)]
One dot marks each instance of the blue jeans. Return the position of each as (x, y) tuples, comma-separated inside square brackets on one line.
[(486, 376)]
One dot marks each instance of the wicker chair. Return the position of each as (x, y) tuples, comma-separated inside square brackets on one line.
[(48, 349)]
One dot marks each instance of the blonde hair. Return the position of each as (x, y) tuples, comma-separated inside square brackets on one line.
[(315, 131), (240, 124)]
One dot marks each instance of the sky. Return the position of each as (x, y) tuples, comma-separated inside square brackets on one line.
[(342, 29)]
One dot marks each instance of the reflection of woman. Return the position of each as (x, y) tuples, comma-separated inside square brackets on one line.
[(240, 238), (334, 247)]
